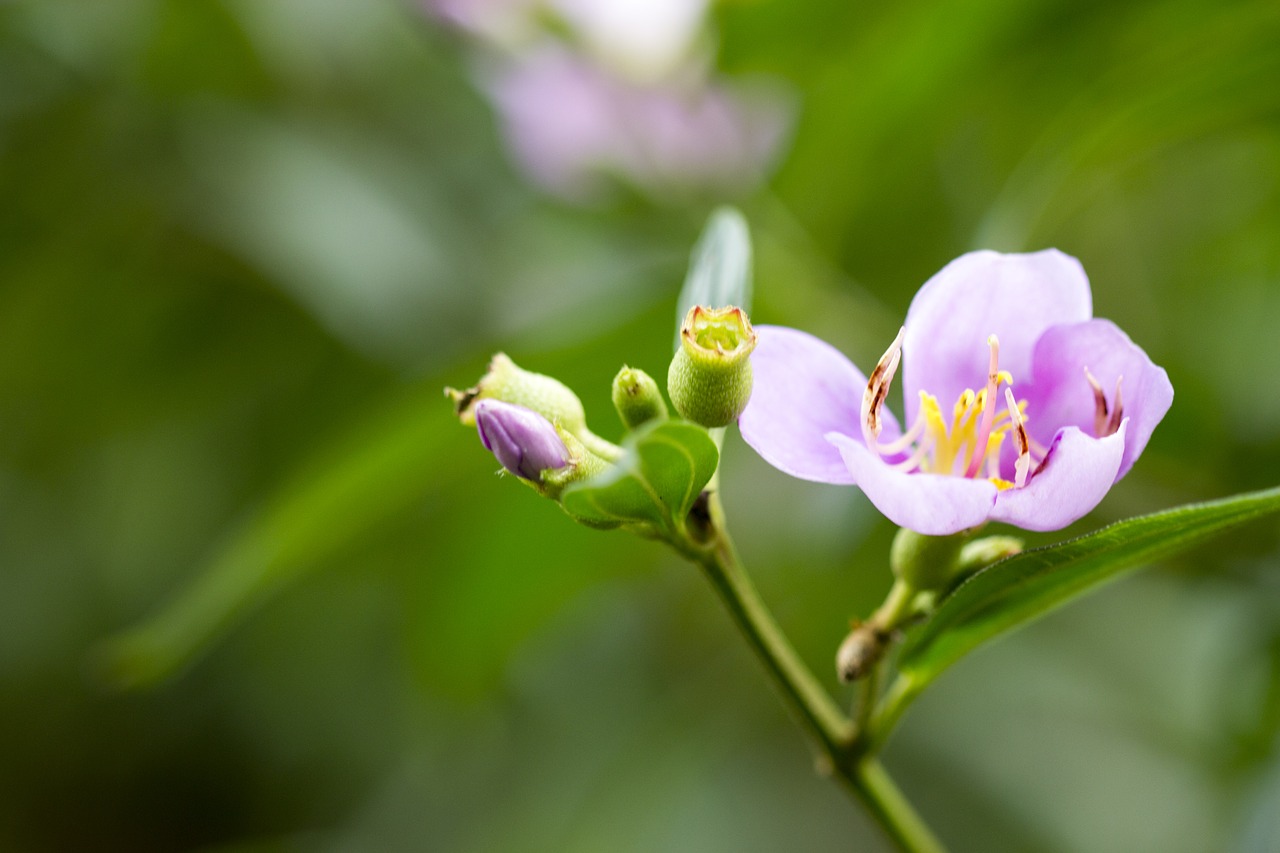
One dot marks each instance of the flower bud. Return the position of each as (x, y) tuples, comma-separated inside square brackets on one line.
[(710, 377), (508, 382), (524, 441), (926, 562), (545, 395), (637, 398), (983, 552)]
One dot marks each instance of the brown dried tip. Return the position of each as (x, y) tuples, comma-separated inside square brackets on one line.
[(860, 651)]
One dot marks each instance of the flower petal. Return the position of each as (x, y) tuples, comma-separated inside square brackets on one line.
[(1075, 477), (1060, 395), (802, 388), (1015, 297), (931, 504)]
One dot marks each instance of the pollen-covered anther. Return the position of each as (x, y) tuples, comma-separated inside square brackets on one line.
[(878, 388), (1021, 467)]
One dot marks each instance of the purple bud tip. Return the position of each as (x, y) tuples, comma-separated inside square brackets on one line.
[(524, 441)]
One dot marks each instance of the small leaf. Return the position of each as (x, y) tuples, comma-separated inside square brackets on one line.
[(1014, 591), (663, 470), (720, 267)]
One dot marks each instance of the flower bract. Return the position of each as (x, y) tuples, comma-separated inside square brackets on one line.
[(1019, 405)]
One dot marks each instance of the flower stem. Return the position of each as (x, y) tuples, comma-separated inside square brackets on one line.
[(890, 808), (901, 693), (799, 687), (845, 754)]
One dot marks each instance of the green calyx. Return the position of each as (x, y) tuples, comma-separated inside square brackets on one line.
[(546, 395), (935, 563), (637, 398), (926, 562), (583, 465), (709, 380)]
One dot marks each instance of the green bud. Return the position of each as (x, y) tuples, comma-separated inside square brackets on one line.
[(637, 398), (981, 553), (710, 377), (549, 397), (926, 562)]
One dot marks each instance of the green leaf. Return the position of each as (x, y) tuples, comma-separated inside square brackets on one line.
[(720, 267), (664, 468), (1014, 591)]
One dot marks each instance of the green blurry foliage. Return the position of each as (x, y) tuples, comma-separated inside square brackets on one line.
[(242, 247)]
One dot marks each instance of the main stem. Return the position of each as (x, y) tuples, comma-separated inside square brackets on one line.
[(844, 750)]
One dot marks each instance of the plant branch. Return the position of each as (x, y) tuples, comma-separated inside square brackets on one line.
[(844, 748)]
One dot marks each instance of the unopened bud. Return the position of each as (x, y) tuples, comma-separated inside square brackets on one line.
[(710, 377), (637, 398), (860, 651), (981, 553), (926, 562), (547, 396), (524, 441)]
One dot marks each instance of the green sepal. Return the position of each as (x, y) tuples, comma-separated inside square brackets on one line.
[(663, 468)]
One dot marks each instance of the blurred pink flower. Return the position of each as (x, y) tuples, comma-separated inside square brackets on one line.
[(570, 123), (626, 95)]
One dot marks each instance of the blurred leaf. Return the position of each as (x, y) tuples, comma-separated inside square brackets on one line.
[(720, 267), (353, 488), (657, 480), (1012, 592)]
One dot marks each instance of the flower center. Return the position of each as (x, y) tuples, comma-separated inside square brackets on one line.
[(968, 443)]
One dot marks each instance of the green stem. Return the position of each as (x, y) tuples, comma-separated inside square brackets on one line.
[(845, 753), (890, 808), (901, 693), (802, 691)]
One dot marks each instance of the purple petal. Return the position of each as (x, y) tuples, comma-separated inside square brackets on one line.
[(926, 503), (1060, 395), (524, 441), (802, 389), (1015, 297), (1075, 477)]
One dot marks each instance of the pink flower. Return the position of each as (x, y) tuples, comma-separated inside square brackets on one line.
[(1051, 407)]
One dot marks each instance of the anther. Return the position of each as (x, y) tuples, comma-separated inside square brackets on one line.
[(1099, 405), (878, 389), (1022, 467), (1117, 410)]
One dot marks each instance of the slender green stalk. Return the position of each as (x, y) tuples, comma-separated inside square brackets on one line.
[(901, 693), (890, 808), (844, 746), (797, 683)]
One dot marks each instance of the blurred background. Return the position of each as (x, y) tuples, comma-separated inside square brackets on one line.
[(260, 592)]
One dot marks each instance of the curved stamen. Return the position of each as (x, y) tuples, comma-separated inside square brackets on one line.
[(878, 388), (908, 438), (1099, 404), (1022, 466), (1117, 410), (988, 407)]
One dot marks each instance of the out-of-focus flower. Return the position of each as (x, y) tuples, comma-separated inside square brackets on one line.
[(1051, 406), (621, 89), (524, 441)]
